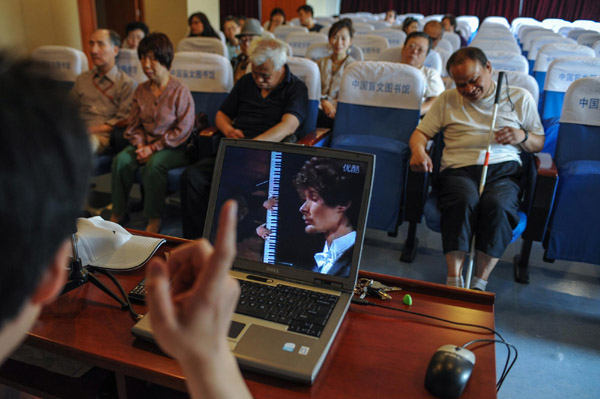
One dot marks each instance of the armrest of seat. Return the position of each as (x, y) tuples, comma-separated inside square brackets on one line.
[(209, 131), (416, 190), (543, 197), (316, 137)]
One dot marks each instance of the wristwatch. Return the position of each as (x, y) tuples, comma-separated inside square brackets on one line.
[(526, 136)]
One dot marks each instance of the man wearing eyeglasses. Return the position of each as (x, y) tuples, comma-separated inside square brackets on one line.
[(416, 47)]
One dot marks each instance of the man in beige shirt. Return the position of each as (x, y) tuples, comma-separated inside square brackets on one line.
[(104, 93)]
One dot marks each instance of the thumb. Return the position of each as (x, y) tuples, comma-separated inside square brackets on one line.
[(158, 298)]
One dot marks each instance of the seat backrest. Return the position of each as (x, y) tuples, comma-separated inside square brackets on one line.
[(392, 54), (434, 60), (471, 20), (464, 29), (534, 35), (308, 72), (204, 44), (522, 80), (555, 23), (363, 27), (453, 38), (562, 72), (550, 52), (579, 130), (445, 45), (444, 56), (596, 48), (380, 24), (208, 76), (576, 32), (495, 33), (496, 45), (526, 30), (522, 21), (128, 62), (506, 61), (395, 37), (301, 41), (378, 109), (282, 31), (495, 20), (539, 42), (371, 45), (66, 63), (588, 38), (320, 50)]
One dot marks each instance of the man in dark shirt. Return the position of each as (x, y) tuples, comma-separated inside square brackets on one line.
[(305, 14), (268, 104)]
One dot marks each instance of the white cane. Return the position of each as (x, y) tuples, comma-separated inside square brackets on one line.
[(484, 173)]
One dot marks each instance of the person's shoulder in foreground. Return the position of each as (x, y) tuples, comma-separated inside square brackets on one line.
[(42, 197)]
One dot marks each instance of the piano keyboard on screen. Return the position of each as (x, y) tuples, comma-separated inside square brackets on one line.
[(272, 215)]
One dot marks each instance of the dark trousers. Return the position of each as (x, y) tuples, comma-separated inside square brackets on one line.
[(195, 192), (491, 217)]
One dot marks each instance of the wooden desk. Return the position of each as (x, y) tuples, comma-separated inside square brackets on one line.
[(378, 352)]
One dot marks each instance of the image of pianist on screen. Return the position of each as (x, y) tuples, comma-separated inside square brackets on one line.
[(330, 206)]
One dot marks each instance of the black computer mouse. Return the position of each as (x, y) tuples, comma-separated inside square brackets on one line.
[(449, 371)]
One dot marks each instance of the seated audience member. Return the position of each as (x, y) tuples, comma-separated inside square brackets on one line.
[(104, 93), (277, 18), (242, 20), (435, 30), (410, 25), (268, 104), (54, 162), (449, 24), (416, 47), (332, 68), (240, 63), (200, 26), (305, 14), (390, 16), (463, 116), (134, 33), (231, 29), (161, 120)]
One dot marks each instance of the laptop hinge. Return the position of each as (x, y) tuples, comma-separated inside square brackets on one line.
[(329, 284)]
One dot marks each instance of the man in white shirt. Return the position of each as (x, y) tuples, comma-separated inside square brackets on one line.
[(416, 47), (330, 207), (464, 115)]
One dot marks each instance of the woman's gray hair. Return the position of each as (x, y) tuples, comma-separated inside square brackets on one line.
[(263, 49)]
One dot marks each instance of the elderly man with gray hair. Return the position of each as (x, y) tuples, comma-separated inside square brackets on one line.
[(268, 104)]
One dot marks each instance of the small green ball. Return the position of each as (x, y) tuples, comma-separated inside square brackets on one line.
[(407, 300)]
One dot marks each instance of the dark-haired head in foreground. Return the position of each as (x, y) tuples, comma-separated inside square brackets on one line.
[(45, 161)]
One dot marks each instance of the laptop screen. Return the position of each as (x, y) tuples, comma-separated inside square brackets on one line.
[(302, 208)]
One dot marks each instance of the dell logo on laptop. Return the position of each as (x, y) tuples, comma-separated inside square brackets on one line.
[(272, 269)]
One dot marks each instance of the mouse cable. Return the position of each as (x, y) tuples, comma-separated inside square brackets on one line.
[(506, 370), (364, 302), (134, 315)]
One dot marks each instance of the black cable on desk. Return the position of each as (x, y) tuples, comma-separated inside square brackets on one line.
[(136, 316), (363, 302)]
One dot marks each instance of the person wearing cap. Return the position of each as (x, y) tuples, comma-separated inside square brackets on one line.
[(269, 104), (54, 162), (240, 63)]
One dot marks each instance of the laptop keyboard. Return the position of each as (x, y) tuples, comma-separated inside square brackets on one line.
[(303, 311)]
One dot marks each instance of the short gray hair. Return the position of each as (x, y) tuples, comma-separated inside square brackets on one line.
[(263, 49)]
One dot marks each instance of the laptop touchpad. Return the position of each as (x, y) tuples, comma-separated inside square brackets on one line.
[(235, 329)]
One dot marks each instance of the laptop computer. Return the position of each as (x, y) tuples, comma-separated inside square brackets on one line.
[(301, 219)]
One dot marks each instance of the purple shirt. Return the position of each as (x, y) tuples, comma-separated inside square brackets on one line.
[(165, 121)]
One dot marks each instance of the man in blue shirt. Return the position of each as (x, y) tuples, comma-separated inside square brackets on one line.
[(268, 104)]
